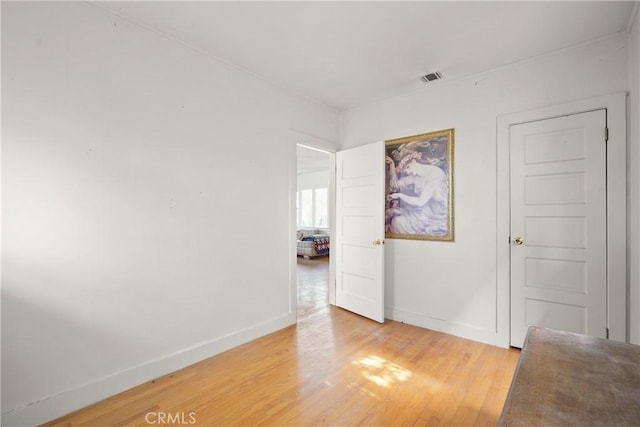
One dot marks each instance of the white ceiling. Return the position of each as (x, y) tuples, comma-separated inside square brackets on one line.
[(345, 54)]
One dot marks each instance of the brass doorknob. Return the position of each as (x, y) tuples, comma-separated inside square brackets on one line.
[(518, 241), (378, 242)]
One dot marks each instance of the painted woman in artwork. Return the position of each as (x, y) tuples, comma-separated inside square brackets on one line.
[(417, 188)]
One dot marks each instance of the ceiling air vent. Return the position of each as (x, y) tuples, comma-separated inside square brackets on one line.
[(431, 77)]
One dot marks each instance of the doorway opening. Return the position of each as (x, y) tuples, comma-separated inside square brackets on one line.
[(314, 207), (356, 186)]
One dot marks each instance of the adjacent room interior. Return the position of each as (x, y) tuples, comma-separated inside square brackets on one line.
[(281, 213), (313, 234)]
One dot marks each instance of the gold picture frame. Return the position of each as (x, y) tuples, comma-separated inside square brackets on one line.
[(419, 193)]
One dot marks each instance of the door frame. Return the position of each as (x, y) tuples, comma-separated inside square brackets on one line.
[(615, 106), (300, 138)]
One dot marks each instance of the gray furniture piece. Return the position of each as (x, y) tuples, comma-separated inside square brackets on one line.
[(568, 379)]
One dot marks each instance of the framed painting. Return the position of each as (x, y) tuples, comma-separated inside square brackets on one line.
[(419, 187)]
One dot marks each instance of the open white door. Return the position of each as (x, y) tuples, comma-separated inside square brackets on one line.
[(359, 246)]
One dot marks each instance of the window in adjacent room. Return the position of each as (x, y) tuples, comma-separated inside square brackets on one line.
[(312, 207)]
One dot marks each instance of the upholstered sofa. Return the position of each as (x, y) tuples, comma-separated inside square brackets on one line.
[(312, 242)]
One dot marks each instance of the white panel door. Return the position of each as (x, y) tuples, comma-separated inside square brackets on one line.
[(558, 225), (359, 246)]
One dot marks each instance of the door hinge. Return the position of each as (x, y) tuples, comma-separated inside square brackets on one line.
[(607, 333), (606, 134)]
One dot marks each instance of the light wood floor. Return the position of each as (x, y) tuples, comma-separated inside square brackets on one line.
[(333, 368)]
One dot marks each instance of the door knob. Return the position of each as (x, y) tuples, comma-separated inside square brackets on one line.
[(518, 241), (378, 242)]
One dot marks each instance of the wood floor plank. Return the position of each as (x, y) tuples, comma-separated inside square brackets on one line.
[(332, 368)]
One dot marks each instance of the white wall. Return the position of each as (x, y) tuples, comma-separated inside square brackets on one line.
[(451, 287), (132, 165), (634, 182)]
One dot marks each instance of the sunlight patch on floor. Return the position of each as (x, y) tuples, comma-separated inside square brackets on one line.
[(382, 372)]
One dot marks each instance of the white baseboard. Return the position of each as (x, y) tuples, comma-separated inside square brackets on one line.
[(452, 328), (52, 407)]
